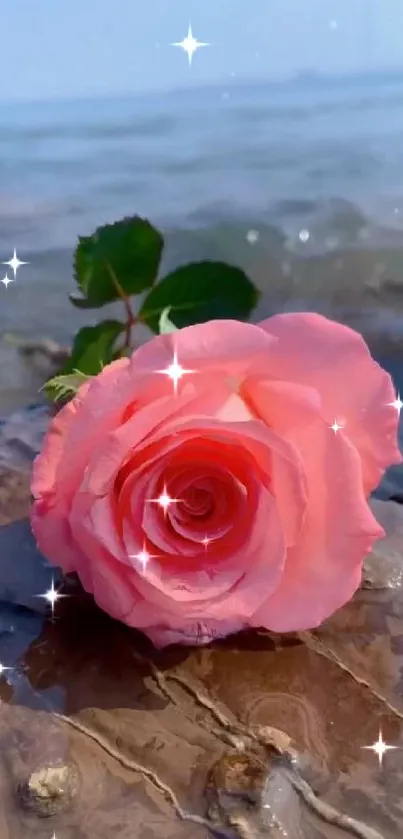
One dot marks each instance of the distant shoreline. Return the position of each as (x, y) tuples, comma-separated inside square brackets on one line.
[(303, 79)]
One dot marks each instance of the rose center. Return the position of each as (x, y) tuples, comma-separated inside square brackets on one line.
[(197, 501)]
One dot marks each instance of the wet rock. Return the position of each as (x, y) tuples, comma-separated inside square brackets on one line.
[(19, 627), (383, 568), (41, 357), (254, 737), (49, 790), (25, 574), (367, 636), (45, 355), (398, 498), (15, 494), (21, 435), (162, 720), (235, 793), (239, 775)]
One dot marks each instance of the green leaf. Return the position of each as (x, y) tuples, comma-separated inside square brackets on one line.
[(165, 326), (199, 292), (94, 347), (61, 388), (118, 260)]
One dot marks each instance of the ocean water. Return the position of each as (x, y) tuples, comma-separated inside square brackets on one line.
[(299, 153), (299, 183)]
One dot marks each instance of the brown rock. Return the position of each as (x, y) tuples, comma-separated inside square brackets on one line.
[(49, 790), (150, 731), (14, 495)]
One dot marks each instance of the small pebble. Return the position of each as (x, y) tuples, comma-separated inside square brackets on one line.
[(49, 790)]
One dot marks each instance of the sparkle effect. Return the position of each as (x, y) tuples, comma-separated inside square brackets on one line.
[(336, 427), (15, 263), (175, 372), (52, 596), (190, 44), (252, 236), (398, 404), (6, 281), (3, 669), (164, 500), (380, 747), (143, 557)]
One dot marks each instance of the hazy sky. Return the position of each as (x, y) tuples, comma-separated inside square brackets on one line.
[(62, 48)]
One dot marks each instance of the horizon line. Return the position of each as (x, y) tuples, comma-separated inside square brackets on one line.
[(307, 74)]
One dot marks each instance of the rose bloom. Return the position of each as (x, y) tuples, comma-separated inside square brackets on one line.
[(225, 500)]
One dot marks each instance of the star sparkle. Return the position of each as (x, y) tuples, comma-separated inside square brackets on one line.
[(143, 557), (398, 404), (190, 44), (252, 236), (380, 747), (336, 427), (164, 500), (4, 668), (175, 371), (52, 595), (6, 281), (15, 263)]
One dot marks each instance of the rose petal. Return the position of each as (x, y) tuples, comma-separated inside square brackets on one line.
[(322, 354), (67, 444), (323, 570)]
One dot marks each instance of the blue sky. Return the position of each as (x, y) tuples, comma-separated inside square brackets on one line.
[(63, 48)]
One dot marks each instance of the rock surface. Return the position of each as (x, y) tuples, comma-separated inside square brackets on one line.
[(49, 790), (255, 737), (25, 574), (21, 435)]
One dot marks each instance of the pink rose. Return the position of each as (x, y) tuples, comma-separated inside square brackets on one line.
[(270, 524)]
